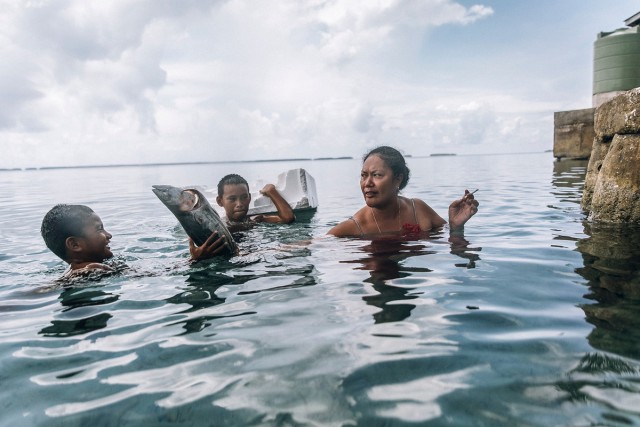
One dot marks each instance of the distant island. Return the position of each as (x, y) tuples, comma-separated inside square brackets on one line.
[(175, 163), (442, 154), (333, 158)]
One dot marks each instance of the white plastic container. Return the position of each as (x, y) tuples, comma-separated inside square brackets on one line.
[(296, 186)]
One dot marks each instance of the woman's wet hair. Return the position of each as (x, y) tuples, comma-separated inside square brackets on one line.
[(394, 160), (231, 179), (61, 222)]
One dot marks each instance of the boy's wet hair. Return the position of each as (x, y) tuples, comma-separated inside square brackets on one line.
[(394, 160), (231, 179), (61, 222)]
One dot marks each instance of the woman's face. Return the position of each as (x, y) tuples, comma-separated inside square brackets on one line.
[(378, 185)]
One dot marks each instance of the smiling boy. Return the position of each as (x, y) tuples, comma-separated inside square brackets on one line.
[(234, 197), (76, 234)]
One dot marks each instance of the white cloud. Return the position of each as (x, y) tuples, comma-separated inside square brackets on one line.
[(141, 81), (352, 27)]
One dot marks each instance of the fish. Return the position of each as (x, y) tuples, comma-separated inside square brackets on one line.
[(195, 214)]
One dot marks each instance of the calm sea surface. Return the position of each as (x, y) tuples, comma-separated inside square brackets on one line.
[(530, 319)]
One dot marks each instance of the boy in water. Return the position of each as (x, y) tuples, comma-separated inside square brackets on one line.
[(234, 197), (76, 234)]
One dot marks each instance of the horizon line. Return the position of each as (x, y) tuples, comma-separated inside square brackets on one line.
[(125, 165), (211, 162)]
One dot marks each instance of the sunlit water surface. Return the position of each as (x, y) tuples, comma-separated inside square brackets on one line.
[(530, 318)]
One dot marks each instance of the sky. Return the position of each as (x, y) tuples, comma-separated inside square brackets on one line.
[(162, 81)]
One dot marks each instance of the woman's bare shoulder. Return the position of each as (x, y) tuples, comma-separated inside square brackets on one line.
[(421, 205), (348, 227), (427, 216)]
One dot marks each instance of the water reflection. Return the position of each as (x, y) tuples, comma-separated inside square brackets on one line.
[(384, 260), (265, 264), (611, 266), (611, 262), (573, 170), (82, 313), (200, 294), (568, 180), (611, 257), (460, 247)]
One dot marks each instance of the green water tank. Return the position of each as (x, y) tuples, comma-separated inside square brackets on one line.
[(616, 61)]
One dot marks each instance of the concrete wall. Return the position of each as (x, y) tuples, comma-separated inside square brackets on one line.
[(612, 185), (573, 134)]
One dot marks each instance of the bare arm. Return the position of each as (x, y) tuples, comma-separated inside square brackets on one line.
[(427, 217), (285, 213), (344, 229)]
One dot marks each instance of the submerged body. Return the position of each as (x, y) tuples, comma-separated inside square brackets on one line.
[(384, 173), (196, 216), (75, 233)]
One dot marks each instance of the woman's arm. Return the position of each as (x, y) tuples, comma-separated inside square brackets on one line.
[(427, 217), (346, 228)]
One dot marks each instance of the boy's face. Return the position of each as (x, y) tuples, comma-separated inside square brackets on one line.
[(235, 200), (95, 240)]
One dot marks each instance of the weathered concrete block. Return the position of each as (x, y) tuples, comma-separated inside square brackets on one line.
[(598, 153), (573, 133), (621, 115), (616, 194)]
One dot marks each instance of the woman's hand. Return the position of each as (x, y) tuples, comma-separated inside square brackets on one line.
[(210, 248), (460, 211)]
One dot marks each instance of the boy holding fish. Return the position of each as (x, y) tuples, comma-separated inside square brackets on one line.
[(234, 197)]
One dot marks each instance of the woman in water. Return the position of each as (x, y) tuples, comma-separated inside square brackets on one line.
[(384, 174)]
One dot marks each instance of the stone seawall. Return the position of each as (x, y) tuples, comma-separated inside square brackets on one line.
[(612, 184), (573, 134)]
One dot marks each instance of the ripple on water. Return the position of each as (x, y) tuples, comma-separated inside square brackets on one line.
[(526, 319)]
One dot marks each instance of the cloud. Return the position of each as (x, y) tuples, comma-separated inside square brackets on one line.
[(198, 79), (351, 27)]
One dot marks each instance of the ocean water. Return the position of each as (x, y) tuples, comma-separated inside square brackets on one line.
[(529, 319)]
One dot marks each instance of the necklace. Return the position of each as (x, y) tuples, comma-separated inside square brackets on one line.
[(376, 221)]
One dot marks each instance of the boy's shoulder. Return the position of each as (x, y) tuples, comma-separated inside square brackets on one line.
[(90, 268)]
